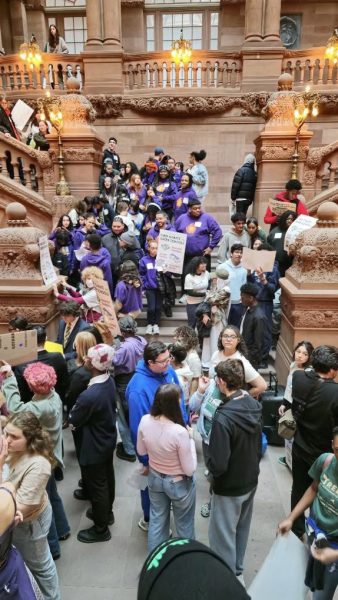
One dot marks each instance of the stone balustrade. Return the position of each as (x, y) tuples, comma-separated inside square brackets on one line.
[(207, 70), (28, 166), (16, 76), (310, 67)]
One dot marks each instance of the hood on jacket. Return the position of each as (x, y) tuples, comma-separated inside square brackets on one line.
[(98, 259), (244, 412), (142, 369), (138, 343)]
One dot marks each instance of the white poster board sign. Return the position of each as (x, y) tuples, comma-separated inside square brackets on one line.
[(302, 223), (253, 259), (48, 273), (281, 577), (171, 250), (18, 347), (21, 114), (107, 306)]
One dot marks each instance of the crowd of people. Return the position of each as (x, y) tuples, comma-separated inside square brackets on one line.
[(154, 395)]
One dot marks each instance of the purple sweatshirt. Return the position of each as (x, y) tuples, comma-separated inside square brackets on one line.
[(148, 179), (203, 232), (100, 259), (148, 272), (166, 191), (129, 296), (128, 354), (181, 201), (154, 232)]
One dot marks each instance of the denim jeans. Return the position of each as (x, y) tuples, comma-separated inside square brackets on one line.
[(59, 525), (180, 491), (124, 431), (154, 301), (31, 540)]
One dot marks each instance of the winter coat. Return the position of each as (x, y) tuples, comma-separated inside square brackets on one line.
[(244, 183)]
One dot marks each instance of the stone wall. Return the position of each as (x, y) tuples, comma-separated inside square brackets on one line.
[(318, 20)]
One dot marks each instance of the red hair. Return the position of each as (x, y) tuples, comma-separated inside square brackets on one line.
[(40, 377)]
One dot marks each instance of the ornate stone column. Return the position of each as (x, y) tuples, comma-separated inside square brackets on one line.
[(94, 25), (111, 19), (272, 21), (18, 20), (254, 15)]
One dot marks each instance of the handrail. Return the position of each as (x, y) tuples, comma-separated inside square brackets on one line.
[(51, 74)]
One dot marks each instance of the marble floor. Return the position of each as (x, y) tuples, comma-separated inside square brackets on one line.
[(109, 571)]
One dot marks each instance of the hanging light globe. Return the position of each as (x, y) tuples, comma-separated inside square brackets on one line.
[(30, 52), (331, 51), (181, 50)]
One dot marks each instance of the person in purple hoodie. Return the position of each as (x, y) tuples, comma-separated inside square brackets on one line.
[(184, 194), (161, 222), (150, 170), (81, 233), (203, 235), (97, 257), (128, 292), (148, 274), (165, 190), (125, 359)]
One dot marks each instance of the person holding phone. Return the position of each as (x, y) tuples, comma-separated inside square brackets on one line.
[(322, 524)]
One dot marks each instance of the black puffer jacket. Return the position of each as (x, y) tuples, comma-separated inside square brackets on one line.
[(244, 183)]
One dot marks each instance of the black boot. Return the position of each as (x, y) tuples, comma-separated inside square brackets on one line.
[(93, 535)]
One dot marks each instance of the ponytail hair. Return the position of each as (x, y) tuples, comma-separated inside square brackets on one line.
[(199, 155)]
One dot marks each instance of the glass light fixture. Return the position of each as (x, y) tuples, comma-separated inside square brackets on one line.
[(181, 50), (331, 51), (30, 52)]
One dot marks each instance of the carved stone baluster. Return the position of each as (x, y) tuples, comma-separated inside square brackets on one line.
[(11, 78), (3, 162), (143, 76), (194, 69), (238, 70), (16, 168), (159, 74), (229, 73), (329, 72), (28, 180), (211, 76), (151, 76), (307, 72), (39, 182), (203, 75), (333, 170), (155, 75)]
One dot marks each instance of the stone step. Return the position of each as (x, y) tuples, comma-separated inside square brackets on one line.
[(166, 334)]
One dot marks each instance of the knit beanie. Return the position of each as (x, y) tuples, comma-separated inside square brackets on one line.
[(185, 569)]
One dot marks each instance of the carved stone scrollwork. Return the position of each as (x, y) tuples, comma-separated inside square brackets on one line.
[(107, 106), (314, 319), (79, 154)]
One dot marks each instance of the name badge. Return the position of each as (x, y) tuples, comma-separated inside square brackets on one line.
[(185, 200), (150, 266), (198, 223), (277, 236), (105, 212), (166, 185), (116, 157)]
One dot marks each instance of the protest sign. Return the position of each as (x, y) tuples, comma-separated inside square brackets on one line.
[(48, 273), (302, 223), (106, 305), (18, 347), (170, 251), (282, 574), (21, 113), (278, 207), (253, 259)]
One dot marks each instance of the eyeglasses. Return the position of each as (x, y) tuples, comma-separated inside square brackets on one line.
[(162, 362), (229, 337)]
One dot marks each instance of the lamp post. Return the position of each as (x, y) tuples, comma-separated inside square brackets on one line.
[(62, 187), (306, 104)]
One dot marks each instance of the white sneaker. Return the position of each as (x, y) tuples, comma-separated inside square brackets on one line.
[(241, 579), (144, 525), (149, 330), (156, 329), (183, 299)]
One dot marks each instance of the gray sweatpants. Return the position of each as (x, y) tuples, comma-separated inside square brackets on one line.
[(229, 526)]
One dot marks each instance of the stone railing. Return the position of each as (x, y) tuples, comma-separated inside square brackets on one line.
[(16, 77), (207, 70), (321, 170), (309, 67), (28, 167)]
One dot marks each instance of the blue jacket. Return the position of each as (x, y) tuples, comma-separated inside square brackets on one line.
[(140, 395), (203, 232)]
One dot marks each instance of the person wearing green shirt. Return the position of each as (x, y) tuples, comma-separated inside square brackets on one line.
[(322, 525)]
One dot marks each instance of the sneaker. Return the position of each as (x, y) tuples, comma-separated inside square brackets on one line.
[(122, 455), (144, 525), (205, 510), (183, 299), (156, 329), (149, 330)]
